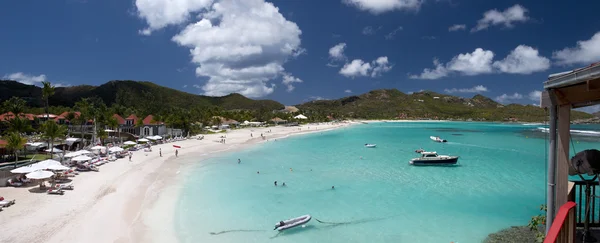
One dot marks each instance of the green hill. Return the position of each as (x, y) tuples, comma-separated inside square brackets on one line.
[(391, 104), (139, 95)]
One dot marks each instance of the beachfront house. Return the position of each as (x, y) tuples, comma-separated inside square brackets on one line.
[(565, 214)]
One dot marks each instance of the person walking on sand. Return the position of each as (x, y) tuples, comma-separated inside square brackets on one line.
[(160, 152), (176, 152)]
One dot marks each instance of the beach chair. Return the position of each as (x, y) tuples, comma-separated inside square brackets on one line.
[(14, 183), (58, 191), (6, 203), (65, 186)]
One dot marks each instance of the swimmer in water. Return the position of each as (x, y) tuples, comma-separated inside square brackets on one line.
[(360, 157), (291, 170), (283, 184), (332, 187), (275, 183), (239, 161), (258, 172)]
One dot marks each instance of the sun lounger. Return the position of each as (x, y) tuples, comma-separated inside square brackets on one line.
[(56, 191), (6, 203), (65, 186), (14, 183)]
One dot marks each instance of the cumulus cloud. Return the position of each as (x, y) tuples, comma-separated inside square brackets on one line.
[(476, 62), (523, 60), (348, 91), (31, 79), (359, 67), (476, 89), (26, 78), (439, 71), (289, 80), (535, 95), (507, 98), (161, 13), (586, 52), (507, 18), (392, 34), (337, 52), (185, 86), (457, 27), (356, 68), (381, 6), (240, 45)]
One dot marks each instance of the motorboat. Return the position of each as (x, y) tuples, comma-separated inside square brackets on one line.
[(291, 223), (438, 139), (368, 145), (432, 158)]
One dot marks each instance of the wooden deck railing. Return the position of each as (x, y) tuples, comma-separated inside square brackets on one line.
[(563, 227), (579, 198)]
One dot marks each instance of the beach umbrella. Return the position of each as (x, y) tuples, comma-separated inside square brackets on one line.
[(158, 137), (143, 140), (57, 167), (82, 158), (108, 130), (115, 149), (130, 143), (44, 164), (24, 169), (97, 147), (40, 174)]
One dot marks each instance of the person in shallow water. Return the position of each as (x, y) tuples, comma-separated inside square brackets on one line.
[(332, 187), (275, 183), (283, 184), (239, 161)]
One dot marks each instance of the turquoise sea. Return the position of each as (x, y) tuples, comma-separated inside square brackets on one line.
[(499, 183)]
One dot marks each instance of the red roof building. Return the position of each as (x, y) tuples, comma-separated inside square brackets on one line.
[(120, 119), (9, 115), (149, 120), (131, 120)]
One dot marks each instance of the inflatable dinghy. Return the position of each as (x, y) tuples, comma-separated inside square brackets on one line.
[(291, 223), (370, 145)]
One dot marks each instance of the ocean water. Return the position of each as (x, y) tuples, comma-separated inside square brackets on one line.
[(499, 182)]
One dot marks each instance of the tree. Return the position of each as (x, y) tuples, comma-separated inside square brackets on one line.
[(139, 124), (84, 109), (14, 142), (52, 131), (72, 118), (19, 125), (15, 105), (113, 124), (47, 91), (102, 135)]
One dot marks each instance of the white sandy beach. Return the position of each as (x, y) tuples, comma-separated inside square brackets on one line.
[(125, 201)]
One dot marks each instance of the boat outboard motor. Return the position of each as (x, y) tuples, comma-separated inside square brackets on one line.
[(586, 162)]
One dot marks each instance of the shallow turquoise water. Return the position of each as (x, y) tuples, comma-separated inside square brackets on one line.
[(500, 183)]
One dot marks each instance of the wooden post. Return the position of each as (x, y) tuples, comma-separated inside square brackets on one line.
[(563, 159)]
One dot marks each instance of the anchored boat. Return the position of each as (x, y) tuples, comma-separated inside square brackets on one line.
[(368, 145), (291, 223), (438, 139), (432, 158)]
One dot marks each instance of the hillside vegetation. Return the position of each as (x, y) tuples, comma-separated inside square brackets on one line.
[(391, 104)]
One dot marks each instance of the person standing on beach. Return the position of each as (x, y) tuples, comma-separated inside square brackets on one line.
[(176, 152), (130, 156), (160, 152)]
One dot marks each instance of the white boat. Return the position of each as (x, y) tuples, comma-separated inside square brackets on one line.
[(291, 223), (432, 158), (438, 139), (368, 145)]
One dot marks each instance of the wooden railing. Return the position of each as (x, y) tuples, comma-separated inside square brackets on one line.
[(579, 198), (563, 227)]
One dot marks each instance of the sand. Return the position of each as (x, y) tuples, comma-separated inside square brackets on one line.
[(125, 201)]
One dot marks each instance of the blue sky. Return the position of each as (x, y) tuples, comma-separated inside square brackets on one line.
[(293, 51)]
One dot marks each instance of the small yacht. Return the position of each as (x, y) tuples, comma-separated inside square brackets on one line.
[(432, 158), (438, 139)]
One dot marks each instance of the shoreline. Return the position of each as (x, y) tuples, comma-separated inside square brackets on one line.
[(127, 201)]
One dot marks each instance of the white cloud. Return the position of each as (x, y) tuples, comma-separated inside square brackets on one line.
[(25, 78), (381, 6), (240, 45), (516, 13), (356, 68), (523, 60), (369, 30), (380, 65), (348, 91), (392, 34), (475, 89), (440, 71), (337, 52), (359, 67), (317, 98), (428, 37), (457, 27), (197, 86), (507, 98), (161, 13), (289, 80), (535, 95), (477, 62), (586, 52), (185, 86)]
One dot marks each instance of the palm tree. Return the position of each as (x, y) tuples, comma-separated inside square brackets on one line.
[(102, 135), (19, 125), (47, 91), (83, 106), (113, 124), (52, 131), (139, 124), (71, 117), (14, 142), (15, 105)]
